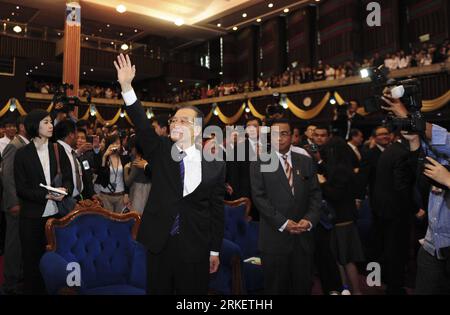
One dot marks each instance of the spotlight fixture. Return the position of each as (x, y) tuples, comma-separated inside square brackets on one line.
[(286, 10), (332, 101), (124, 47), (17, 7), (17, 29), (42, 63), (181, 81), (112, 43), (92, 70), (270, 5), (135, 31), (107, 25), (247, 109), (121, 8), (219, 25), (258, 20), (179, 22), (122, 114), (244, 15), (235, 28)]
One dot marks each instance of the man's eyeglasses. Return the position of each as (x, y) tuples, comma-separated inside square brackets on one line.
[(181, 121), (283, 134), (382, 134)]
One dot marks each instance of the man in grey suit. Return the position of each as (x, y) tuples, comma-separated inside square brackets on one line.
[(288, 200), (13, 255)]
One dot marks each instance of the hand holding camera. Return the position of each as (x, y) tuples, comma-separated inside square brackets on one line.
[(437, 172)]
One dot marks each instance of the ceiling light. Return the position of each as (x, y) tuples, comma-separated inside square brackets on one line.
[(124, 47), (121, 34), (92, 70), (84, 72), (36, 67), (42, 63), (270, 5), (100, 30), (220, 72), (27, 73), (17, 7), (17, 29), (87, 38), (112, 43), (12, 13), (59, 34), (219, 25), (179, 22), (258, 20), (31, 70), (121, 8), (235, 28), (244, 15), (135, 31), (181, 81), (107, 25), (286, 10), (7, 19)]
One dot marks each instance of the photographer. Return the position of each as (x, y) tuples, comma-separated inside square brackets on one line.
[(433, 270), (114, 192)]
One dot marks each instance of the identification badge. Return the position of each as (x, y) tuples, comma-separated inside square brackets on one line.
[(86, 165)]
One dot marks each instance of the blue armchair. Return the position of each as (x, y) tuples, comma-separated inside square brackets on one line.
[(241, 230), (103, 244)]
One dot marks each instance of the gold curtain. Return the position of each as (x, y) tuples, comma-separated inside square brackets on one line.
[(254, 111), (437, 103), (230, 120), (308, 114)]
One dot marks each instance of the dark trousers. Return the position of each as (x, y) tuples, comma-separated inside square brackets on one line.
[(13, 256), (168, 274), (376, 244), (32, 238), (2, 231), (288, 274), (396, 235), (432, 277), (326, 262)]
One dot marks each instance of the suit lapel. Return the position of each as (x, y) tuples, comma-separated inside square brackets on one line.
[(298, 173), (37, 162), (283, 179)]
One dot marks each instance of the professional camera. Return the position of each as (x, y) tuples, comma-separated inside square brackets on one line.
[(409, 93), (68, 102)]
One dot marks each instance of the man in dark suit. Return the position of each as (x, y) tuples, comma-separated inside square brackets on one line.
[(183, 222), (355, 141), (395, 204), (13, 272), (244, 150), (288, 200), (66, 135), (366, 181)]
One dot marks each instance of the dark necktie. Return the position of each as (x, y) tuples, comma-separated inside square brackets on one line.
[(77, 171), (176, 224)]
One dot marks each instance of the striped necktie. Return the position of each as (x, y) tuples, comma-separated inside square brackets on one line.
[(176, 224), (288, 172)]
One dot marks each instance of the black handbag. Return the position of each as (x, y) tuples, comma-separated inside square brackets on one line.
[(68, 203)]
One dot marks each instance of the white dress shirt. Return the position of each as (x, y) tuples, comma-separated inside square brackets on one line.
[(283, 164), (69, 150), (355, 149), (192, 161), (50, 208), (192, 169), (3, 143), (24, 139)]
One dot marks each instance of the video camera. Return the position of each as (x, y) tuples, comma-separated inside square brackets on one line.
[(68, 102), (409, 93)]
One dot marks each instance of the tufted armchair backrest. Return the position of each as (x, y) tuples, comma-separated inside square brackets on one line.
[(103, 243)]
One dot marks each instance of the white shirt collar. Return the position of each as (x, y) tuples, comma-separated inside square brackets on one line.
[(280, 156), (380, 147), (24, 139), (66, 146), (192, 153), (354, 147)]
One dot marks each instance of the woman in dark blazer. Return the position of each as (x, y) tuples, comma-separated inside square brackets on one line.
[(34, 164)]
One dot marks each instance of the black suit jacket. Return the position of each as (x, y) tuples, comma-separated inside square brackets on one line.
[(238, 172), (87, 175), (394, 194), (273, 198), (28, 174), (201, 212), (367, 173)]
